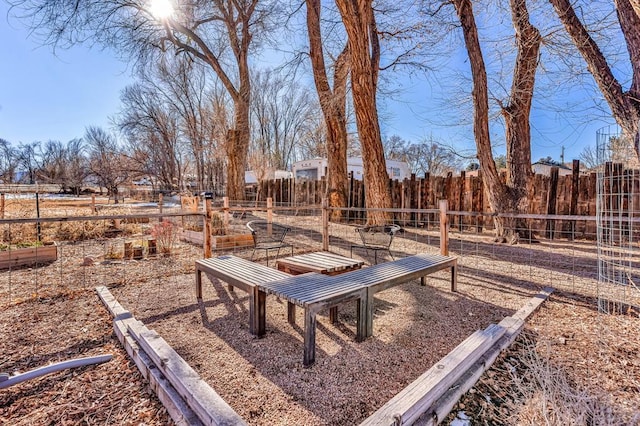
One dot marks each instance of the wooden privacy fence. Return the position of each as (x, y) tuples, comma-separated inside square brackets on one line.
[(573, 195)]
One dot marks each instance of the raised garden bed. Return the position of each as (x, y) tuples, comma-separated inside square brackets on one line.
[(26, 256), (219, 242)]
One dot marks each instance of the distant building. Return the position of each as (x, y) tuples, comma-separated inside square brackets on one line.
[(317, 168), (250, 175), (544, 168)]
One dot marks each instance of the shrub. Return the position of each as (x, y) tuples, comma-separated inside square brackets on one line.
[(166, 234)]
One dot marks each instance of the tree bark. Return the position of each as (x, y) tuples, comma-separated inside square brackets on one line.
[(625, 106), (237, 143), (333, 105), (360, 25), (510, 196)]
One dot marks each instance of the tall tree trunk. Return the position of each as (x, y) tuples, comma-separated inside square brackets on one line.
[(333, 105), (509, 196), (238, 143), (516, 114), (236, 17), (625, 106), (237, 147), (360, 25)]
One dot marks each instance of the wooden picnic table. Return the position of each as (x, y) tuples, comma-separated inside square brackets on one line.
[(321, 262), (315, 292)]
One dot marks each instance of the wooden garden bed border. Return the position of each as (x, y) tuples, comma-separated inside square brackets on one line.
[(189, 400), (431, 397), (26, 256)]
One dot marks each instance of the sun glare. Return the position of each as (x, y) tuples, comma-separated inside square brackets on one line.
[(161, 9)]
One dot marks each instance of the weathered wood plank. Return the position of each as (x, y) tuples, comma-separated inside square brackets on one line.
[(203, 400), (177, 408), (412, 401), (430, 401), (514, 325), (320, 262), (179, 411), (28, 256), (113, 306)]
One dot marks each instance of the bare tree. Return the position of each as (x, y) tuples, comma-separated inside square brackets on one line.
[(333, 105), (177, 92), (426, 156), (183, 86), (219, 33), (76, 168), (313, 142), (236, 19), (395, 148), (364, 50), (63, 164), (282, 112), (107, 162), (27, 160), (509, 196), (52, 162), (624, 105), (430, 156), (152, 130), (8, 161)]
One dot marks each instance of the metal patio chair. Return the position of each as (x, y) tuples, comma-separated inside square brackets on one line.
[(268, 236), (376, 238)]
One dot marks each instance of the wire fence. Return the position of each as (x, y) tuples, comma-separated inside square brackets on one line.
[(128, 247)]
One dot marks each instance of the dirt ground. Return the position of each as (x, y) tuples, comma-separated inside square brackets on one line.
[(51, 313)]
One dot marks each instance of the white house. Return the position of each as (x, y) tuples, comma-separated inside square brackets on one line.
[(317, 168), (544, 168), (250, 176)]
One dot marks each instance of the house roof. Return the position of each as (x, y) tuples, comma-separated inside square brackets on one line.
[(545, 163)]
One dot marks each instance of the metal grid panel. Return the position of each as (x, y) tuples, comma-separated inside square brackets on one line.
[(618, 220)]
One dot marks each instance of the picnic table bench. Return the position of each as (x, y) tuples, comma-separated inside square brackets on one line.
[(316, 292), (241, 273)]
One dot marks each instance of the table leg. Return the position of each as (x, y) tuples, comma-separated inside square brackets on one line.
[(257, 312), (333, 314), (454, 277), (361, 313), (368, 313), (309, 337), (291, 313), (198, 284)]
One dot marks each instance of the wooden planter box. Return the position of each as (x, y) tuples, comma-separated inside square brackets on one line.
[(28, 256), (219, 242)]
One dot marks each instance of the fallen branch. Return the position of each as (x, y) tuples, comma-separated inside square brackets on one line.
[(7, 381)]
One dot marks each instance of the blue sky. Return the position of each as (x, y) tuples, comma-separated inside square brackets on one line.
[(55, 97)]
